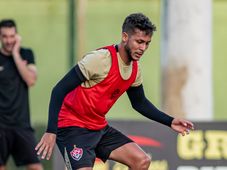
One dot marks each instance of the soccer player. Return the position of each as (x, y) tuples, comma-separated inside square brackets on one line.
[(80, 101), (17, 74)]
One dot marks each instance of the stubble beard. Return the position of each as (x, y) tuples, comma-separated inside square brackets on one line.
[(128, 52)]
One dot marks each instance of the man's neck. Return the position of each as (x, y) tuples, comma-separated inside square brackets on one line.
[(123, 54)]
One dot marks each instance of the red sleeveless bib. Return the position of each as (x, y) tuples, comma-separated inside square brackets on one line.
[(87, 107)]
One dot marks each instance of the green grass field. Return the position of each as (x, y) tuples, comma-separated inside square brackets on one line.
[(43, 26)]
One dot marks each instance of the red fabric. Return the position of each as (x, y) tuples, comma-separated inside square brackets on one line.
[(87, 107)]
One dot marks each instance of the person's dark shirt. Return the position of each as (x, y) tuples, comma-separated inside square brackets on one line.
[(14, 97)]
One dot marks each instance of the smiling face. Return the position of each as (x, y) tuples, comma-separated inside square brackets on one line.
[(136, 43), (7, 38)]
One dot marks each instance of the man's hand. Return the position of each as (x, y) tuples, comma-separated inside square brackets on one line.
[(46, 145), (16, 47), (182, 126)]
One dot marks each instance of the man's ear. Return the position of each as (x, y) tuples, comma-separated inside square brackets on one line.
[(124, 37)]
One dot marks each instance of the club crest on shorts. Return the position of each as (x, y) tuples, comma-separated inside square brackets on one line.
[(76, 153)]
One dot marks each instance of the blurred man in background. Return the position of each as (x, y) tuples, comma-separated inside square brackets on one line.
[(17, 74), (80, 101)]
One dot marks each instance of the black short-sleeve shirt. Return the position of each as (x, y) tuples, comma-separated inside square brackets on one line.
[(14, 97)]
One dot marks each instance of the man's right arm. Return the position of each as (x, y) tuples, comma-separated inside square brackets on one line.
[(80, 73), (69, 82)]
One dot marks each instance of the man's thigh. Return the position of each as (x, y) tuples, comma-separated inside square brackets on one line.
[(110, 141), (128, 154), (77, 146), (5, 145), (23, 150)]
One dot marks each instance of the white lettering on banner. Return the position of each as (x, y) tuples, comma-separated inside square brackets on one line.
[(187, 168), (202, 168), (207, 168)]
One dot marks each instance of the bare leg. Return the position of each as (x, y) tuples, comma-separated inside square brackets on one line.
[(36, 166), (131, 155), (2, 168)]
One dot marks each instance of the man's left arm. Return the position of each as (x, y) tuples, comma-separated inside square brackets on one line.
[(26, 68), (141, 104)]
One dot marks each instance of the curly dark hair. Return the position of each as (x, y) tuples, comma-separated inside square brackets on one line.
[(138, 21)]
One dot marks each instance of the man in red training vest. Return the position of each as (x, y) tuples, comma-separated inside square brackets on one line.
[(80, 101)]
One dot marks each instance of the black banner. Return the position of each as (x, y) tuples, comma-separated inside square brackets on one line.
[(205, 148)]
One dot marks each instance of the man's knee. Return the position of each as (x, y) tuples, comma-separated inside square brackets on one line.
[(2, 168), (145, 162), (142, 162)]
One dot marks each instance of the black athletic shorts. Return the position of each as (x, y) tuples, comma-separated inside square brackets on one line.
[(18, 143), (80, 146)]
